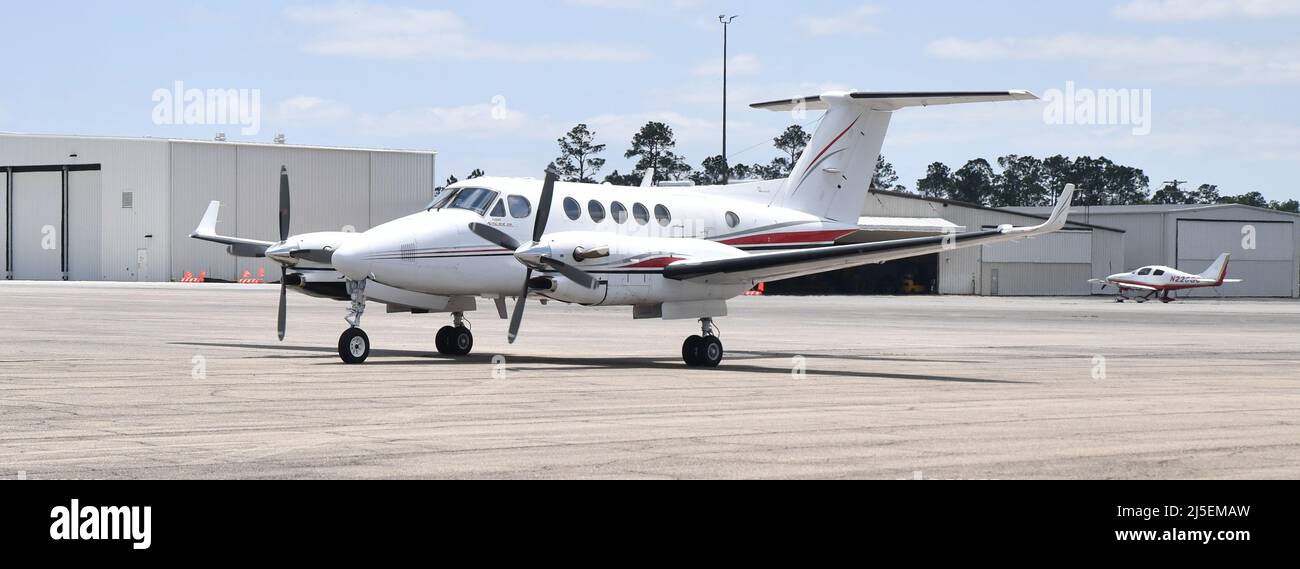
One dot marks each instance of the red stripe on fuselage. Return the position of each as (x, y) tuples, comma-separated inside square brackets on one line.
[(655, 263), (790, 237)]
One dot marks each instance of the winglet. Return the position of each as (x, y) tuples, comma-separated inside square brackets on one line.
[(208, 225), (1062, 211), (1055, 221)]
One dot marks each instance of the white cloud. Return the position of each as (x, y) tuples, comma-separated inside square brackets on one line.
[(1162, 58), (635, 4), (480, 121), (856, 20), (743, 64), (473, 121), (306, 110), (1189, 10), (356, 28)]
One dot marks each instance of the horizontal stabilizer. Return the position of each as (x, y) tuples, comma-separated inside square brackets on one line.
[(207, 231), (892, 101)]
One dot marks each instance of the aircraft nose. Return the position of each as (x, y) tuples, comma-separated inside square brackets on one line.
[(353, 260)]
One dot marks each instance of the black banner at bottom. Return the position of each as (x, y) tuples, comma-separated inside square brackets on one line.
[(130, 520)]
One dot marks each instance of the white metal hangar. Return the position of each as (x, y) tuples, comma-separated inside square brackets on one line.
[(121, 209), (1264, 243), (1056, 264)]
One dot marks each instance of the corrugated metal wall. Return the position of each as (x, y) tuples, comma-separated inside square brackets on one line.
[(1266, 267), (330, 190), (201, 173), (139, 166), (84, 206), (405, 181), (1036, 279), (1153, 238), (171, 183)]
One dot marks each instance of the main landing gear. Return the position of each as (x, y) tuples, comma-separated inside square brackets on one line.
[(455, 340), (704, 350), (354, 344)]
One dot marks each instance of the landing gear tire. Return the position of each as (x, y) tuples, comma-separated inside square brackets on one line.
[(454, 341), (702, 351), (460, 341), (444, 346), (354, 346)]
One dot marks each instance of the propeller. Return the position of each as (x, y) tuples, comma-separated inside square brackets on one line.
[(284, 203), (534, 255), (284, 234)]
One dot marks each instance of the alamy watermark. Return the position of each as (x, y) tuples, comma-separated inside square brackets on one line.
[(1083, 106), (209, 107)]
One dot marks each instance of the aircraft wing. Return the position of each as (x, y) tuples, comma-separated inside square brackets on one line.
[(1136, 286), (788, 264), (1216, 281), (207, 231)]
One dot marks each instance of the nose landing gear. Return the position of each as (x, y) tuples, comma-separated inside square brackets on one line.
[(455, 340), (704, 350), (354, 344)]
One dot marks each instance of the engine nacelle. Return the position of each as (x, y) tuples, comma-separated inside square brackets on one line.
[(564, 290), (630, 269)]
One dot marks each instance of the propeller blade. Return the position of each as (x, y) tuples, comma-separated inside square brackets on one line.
[(279, 323), (284, 203), (544, 203), (518, 315), (494, 235), (573, 273)]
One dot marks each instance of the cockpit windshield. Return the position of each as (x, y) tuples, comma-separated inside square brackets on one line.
[(440, 199), (474, 199)]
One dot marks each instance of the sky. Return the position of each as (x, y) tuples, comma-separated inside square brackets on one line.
[(492, 85)]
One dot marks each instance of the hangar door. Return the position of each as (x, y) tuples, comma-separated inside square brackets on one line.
[(1056, 264), (4, 224), (51, 222), (37, 218), (1267, 264)]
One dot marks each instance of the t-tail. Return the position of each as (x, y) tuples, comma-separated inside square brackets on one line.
[(832, 176)]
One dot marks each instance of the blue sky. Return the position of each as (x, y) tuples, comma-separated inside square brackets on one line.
[(493, 84)]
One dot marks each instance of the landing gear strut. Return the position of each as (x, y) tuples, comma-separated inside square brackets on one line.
[(354, 344), (704, 350), (455, 340)]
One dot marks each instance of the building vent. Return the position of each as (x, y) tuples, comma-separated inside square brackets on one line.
[(128, 200)]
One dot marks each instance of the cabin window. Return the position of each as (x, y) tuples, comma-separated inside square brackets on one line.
[(640, 214), (1157, 273), (476, 200), (596, 211), (571, 209), (1145, 271), (519, 206), (663, 215), (618, 212), (499, 210), (732, 219)]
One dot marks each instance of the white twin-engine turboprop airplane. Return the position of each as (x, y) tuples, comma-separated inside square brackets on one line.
[(1161, 279), (668, 252)]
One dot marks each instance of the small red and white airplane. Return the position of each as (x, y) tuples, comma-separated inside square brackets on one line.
[(1159, 279)]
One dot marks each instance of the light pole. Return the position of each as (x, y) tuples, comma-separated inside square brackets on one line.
[(726, 167)]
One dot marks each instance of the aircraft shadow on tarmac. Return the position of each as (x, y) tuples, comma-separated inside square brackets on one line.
[(598, 363)]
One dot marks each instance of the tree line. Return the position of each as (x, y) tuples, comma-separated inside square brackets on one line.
[(1016, 180)]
